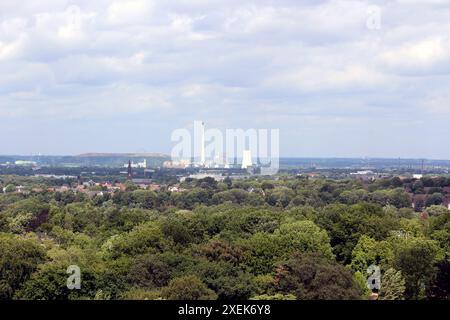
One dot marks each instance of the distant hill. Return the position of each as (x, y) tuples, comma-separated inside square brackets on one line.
[(92, 159), (124, 155)]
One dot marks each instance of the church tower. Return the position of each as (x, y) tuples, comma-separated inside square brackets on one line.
[(130, 171)]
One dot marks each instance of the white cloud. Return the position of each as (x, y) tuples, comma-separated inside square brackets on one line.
[(74, 26), (281, 62), (421, 56), (10, 50), (325, 78), (129, 12)]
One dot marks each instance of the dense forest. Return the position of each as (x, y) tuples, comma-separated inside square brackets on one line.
[(281, 239)]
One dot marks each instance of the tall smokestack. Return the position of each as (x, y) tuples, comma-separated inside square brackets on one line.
[(202, 147)]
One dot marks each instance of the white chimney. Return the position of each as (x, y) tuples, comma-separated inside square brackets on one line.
[(202, 147), (246, 159)]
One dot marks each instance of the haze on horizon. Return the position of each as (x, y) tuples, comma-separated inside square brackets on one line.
[(120, 76)]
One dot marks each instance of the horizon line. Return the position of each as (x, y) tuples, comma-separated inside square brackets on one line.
[(162, 154)]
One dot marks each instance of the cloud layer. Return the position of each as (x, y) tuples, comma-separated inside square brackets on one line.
[(336, 78)]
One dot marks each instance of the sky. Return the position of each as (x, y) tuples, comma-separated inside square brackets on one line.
[(337, 78)]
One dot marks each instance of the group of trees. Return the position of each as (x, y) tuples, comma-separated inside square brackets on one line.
[(245, 239)]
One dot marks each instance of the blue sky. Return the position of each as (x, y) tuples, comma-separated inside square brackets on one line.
[(120, 76)]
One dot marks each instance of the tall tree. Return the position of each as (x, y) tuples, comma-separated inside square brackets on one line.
[(311, 276), (392, 285)]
